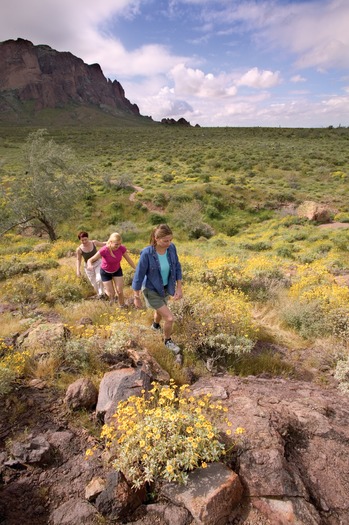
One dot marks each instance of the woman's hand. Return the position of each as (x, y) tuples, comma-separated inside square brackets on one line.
[(137, 301)]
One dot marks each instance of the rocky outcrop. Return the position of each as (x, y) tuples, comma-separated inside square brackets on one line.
[(53, 79), (314, 212), (173, 122), (291, 465), (293, 462)]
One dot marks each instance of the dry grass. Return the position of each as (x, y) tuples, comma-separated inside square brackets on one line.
[(11, 324)]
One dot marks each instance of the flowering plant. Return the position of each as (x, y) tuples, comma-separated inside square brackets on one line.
[(164, 434)]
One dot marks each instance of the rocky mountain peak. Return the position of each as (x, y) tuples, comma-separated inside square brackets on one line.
[(54, 79)]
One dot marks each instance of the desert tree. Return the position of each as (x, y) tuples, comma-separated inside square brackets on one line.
[(46, 193)]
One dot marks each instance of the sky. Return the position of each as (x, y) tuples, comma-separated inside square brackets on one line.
[(213, 62)]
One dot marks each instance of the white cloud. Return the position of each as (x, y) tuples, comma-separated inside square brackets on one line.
[(75, 27), (315, 32), (188, 81), (260, 79), (297, 78)]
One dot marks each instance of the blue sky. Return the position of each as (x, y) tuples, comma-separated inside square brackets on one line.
[(214, 62)]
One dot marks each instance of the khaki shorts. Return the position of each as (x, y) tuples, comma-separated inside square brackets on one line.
[(154, 300)]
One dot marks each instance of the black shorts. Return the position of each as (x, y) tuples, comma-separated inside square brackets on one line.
[(107, 276)]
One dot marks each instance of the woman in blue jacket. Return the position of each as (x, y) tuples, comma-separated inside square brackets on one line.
[(159, 275)]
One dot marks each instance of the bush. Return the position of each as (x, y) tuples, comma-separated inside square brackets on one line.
[(256, 246), (11, 267), (64, 292), (201, 230), (77, 356), (120, 340), (342, 375), (12, 366), (306, 318), (164, 435), (339, 320), (224, 349)]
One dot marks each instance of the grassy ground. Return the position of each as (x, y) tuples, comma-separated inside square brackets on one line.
[(263, 289)]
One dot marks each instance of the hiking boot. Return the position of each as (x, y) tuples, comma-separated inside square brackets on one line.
[(172, 346), (179, 359), (155, 328)]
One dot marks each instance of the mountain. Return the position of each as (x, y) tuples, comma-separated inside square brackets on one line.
[(37, 78)]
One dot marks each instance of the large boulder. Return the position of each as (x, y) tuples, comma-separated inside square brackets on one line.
[(314, 212), (81, 394), (119, 385), (210, 495), (43, 337)]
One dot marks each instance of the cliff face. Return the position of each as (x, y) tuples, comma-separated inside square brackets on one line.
[(54, 79)]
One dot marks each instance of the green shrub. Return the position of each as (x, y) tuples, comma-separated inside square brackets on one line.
[(224, 349), (256, 246), (342, 375), (12, 267), (156, 218), (306, 318), (201, 230), (7, 377), (119, 340), (64, 292), (77, 356), (339, 321)]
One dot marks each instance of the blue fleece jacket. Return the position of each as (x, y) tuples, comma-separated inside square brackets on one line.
[(148, 271)]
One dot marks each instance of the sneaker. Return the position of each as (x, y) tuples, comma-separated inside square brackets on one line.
[(172, 346), (179, 359), (155, 328)]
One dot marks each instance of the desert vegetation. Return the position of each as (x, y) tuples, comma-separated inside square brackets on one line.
[(265, 291)]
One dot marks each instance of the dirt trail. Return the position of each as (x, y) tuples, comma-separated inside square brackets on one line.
[(138, 189)]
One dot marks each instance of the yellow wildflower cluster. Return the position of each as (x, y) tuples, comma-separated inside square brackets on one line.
[(261, 264), (315, 283), (165, 433), (12, 365)]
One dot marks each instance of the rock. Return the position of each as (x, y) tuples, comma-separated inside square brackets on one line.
[(94, 488), (143, 357), (33, 450), (74, 512), (43, 337), (84, 321), (210, 495), (60, 440), (53, 79), (169, 513), (118, 499), (81, 394), (314, 212), (119, 385), (293, 458)]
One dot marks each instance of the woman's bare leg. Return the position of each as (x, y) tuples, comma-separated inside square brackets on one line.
[(165, 313), (119, 285)]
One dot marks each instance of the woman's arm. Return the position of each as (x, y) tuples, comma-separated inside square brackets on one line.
[(78, 262), (129, 260), (93, 259), (99, 243), (140, 273)]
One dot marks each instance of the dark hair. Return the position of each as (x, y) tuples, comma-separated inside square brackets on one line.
[(160, 231), (82, 234)]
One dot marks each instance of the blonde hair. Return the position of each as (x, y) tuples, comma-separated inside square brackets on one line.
[(114, 237), (160, 231)]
